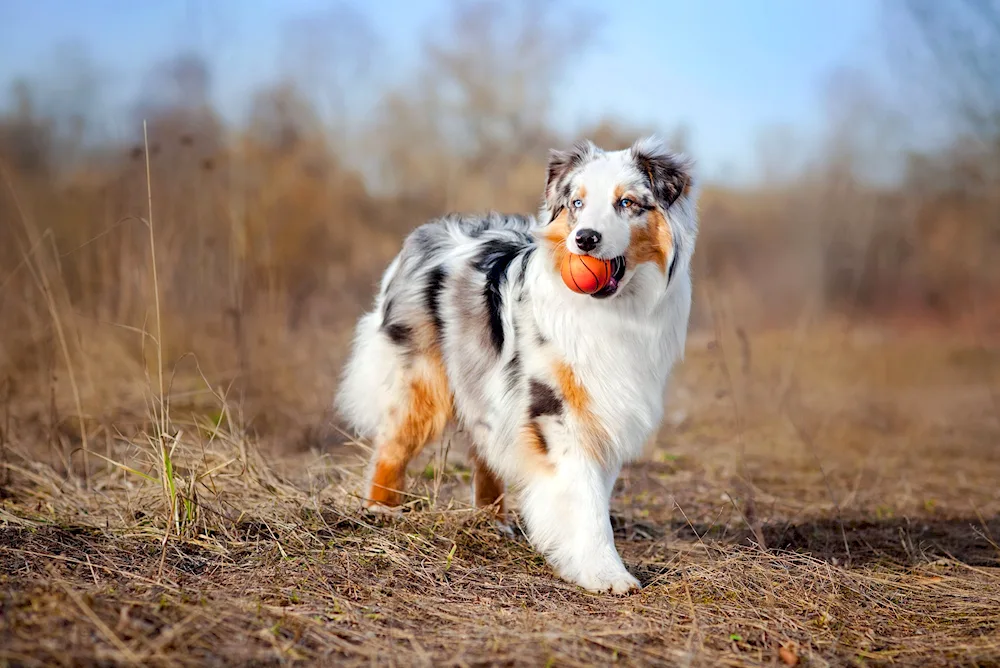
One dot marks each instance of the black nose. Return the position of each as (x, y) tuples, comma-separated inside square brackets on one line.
[(587, 240)]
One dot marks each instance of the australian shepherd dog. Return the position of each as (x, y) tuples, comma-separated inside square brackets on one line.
[(473, 329)]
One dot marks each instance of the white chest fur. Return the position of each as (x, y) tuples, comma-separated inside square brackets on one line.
[(620, 350)]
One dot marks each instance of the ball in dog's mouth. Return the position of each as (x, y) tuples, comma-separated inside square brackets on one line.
[(617, 273)]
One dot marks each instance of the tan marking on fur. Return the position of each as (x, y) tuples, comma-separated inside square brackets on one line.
[(536, 439), (578, 399), (581, 193), (429, 408), (387, 484), (619, 193), (555, 234), (573, 392), (651, 241), (489, 490), (535, 449)]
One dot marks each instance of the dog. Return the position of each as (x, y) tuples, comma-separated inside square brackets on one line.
[(473, 328)]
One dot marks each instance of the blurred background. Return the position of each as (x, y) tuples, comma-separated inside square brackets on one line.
[(849, 154)]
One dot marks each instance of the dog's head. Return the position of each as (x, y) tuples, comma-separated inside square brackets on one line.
[(634, 207)]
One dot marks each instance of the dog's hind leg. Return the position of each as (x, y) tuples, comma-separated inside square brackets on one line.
[(418, 413), (400, 398)]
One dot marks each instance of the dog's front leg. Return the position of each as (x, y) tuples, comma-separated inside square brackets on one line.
[(567, 513)]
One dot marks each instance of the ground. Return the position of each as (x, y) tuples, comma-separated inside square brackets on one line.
[(817, 496)]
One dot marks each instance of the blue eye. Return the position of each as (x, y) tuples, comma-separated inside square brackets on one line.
[(577, 203), (625, 203)]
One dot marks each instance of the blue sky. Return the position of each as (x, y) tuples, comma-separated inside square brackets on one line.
[(727, 68)]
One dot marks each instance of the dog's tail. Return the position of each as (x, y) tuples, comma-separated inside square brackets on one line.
[(368, 377), (371, 368)]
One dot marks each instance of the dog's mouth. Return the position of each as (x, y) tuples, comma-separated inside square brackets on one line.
[(617, 273)]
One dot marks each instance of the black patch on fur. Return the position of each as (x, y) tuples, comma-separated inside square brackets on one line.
[(673, 263), (543, 400), (522, 275), (667, 176), (432, 295), (398, 333), (524, 264), (493, 261)]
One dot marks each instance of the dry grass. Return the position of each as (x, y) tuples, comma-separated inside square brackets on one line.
[(173, 489), (872, 488)]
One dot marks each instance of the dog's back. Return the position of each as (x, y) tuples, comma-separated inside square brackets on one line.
[(440, 276)]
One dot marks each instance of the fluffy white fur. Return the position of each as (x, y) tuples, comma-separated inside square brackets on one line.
[(473, 327)]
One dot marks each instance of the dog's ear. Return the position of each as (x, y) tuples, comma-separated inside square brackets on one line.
[(669, 174), (561, 165)]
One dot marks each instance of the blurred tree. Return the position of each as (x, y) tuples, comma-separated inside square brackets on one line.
[(65, 96), (859, 150), (499, 68), (175, 101), (282, 119), (328, 55), (950, 54), (180, 82), (959, 41), (480, 105), (26, 138), (72, 90)]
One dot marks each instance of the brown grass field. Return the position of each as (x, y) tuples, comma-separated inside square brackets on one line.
[(819, 496), (178, 287)]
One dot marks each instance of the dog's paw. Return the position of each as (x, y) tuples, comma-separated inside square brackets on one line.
[(380, 510), (616, 582), (506, 530)]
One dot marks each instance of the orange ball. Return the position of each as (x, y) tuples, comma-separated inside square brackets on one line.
[(585, 274)]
